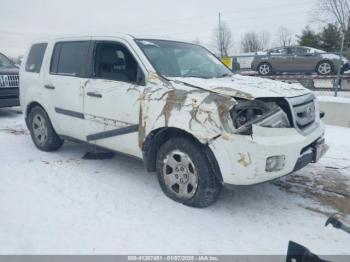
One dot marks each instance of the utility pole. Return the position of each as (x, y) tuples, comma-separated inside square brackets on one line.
[(337, 83), (220, 37)]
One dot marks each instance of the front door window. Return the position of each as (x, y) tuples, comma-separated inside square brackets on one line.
[(115, 62)]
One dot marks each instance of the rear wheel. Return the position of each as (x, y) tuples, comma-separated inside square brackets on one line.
[(185, 175), (265, 69), (325, 68), (42, 131)]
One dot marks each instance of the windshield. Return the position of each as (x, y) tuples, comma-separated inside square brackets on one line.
[(5, 62), (176, 59)]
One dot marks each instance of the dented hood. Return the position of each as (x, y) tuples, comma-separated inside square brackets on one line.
[(246, 87)]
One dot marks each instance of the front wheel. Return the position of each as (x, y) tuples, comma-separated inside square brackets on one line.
[(185, 174), (42, 131), (325, 68)]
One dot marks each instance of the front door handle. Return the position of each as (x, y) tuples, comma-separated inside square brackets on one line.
[(51, 87), (94, 94)]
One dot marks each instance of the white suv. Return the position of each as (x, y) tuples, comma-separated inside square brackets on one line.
[(172, 104)]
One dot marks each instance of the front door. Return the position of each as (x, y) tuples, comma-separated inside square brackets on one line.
[(111, 99), (280, 59)]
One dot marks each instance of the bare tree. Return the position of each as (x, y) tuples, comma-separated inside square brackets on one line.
[(339, 11), (250, 42), (284, 36), (253, 42), (223, 39)]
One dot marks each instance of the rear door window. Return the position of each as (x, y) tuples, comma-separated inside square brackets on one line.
[(70, 58), (279, 51), (35, 58)]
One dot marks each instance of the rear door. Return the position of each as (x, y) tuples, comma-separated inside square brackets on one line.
[(65, 82)]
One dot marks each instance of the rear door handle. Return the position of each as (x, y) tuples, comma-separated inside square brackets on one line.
[(51, 87), (94, 94)]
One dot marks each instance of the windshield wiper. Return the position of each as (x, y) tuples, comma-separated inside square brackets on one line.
[(224, 75), (204, 77)]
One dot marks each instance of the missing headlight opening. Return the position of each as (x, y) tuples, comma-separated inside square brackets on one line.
[(267, 114)]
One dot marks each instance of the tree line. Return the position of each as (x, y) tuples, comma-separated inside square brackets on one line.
[(332, 15)]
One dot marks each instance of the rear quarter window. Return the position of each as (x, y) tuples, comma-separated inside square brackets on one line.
[(70, 58), (35, 58)]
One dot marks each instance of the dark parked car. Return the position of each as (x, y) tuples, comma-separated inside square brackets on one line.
[(298, 59), (9, 82)]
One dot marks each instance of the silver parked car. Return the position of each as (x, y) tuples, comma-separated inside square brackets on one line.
[(298, 59)]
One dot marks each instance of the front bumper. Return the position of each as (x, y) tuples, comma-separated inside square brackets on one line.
[(9, 97), (242, 159)]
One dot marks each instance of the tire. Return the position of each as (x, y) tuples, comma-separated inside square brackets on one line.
[(185, 175), (325, 68), (265, 69), (42, 131)]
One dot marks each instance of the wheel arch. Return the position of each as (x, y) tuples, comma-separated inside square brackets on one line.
[(159, 136), (30, 107)]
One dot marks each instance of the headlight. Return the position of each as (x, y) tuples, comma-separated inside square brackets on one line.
[(248, 113)]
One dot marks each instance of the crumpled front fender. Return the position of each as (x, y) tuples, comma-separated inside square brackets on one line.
[(203, 114)]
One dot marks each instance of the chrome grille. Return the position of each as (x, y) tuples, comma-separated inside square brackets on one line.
[(303, 110), (9, 81)]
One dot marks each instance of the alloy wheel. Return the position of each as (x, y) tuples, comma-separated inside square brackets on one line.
[(40, 129), (180, 175), (264, 69), (325, 68)]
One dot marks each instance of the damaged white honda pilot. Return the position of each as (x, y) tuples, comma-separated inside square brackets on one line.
[(172, 104)]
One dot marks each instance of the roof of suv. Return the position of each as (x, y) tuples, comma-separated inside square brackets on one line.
[(104, 35)]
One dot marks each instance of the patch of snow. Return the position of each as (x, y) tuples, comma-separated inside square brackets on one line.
[(334, 57), (339, 151), (315, 51)]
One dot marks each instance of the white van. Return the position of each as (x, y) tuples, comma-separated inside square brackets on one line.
[(172, 104)]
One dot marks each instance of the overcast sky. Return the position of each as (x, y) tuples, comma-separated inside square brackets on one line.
[(21, 21)]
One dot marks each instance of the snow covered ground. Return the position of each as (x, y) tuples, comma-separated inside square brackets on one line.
[(57, 203)]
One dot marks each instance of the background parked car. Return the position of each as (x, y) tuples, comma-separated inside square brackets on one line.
[(298, 59), (9, 83)]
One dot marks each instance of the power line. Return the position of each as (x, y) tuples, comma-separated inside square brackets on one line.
[(242, 28), (150, 31), (226, 20), (188, 26), (223, 13)]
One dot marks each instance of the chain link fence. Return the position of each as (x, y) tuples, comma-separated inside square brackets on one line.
[(299, 68)]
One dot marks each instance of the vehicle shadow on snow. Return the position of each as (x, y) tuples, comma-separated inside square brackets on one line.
[(12, 112), (119, 161)]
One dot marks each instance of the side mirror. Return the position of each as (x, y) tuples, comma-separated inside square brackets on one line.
[(140, 77)]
